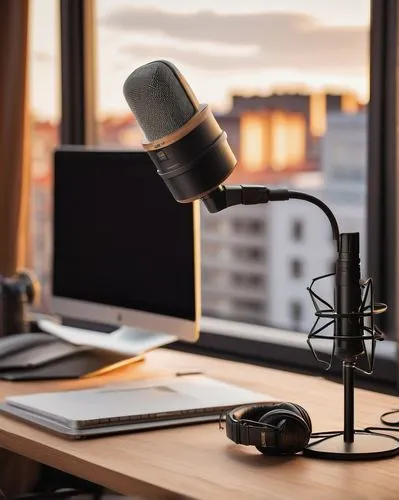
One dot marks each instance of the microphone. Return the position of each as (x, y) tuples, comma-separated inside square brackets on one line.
[(187, 145), (349, 324), (182, 137)]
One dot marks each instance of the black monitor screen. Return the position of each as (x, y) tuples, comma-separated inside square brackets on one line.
[(119, 236)]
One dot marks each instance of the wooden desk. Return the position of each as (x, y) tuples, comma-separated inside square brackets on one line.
[(199, 461)]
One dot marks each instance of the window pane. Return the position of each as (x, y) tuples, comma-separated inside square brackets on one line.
[(45, 114), (289, 84)]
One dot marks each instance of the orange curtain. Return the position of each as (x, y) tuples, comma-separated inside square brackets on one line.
[(14, 135), (17, 474)]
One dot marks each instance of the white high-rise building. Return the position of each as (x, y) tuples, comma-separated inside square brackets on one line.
[(258, 260), (302, 249), (235, 269)]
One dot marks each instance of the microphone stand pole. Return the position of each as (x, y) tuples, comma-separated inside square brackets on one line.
[(351, 444), (348, 368)]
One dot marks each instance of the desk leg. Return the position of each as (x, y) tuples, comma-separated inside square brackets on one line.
[(18, 475)]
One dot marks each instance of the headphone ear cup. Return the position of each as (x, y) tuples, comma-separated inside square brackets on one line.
[(305, 415), (298, 410), (294, 433)]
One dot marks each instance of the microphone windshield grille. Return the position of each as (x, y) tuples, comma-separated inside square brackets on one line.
[(160, 99)]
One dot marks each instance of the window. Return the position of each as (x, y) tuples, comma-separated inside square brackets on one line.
[(248, 227), (247, 280), (249, 310), (296, 268), (218, 305), (297, 230), (214, 225), (294, 118), (212, 276), (296, 311), (45, 114), (212, 249), (249, 254)]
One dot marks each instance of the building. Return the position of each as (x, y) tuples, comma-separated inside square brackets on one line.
[(297, 119), (258, 260), (302, 246), (235, 268), (272, 141), (44, 140), (345, 158)]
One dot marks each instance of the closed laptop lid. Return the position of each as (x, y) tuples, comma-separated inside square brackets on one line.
[(136, 401)]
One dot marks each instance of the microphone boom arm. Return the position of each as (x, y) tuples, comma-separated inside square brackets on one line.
[(227, 196)]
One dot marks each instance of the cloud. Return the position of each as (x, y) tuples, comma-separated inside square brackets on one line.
[(282, 40), (208, 61)]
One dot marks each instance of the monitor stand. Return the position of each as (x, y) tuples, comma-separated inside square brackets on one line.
[(123, 340), (123, 346)]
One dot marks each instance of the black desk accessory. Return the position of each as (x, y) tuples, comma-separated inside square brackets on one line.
[(16, 292), (191, 153)]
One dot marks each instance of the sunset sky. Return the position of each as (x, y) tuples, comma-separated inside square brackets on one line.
[(220, 46)]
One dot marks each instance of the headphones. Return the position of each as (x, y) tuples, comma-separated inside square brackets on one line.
[(273, 428)]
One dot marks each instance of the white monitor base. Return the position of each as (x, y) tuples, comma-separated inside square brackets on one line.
[(125, 340)]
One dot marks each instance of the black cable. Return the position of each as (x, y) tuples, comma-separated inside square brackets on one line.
[(380, 431), (377, 430), (387, 422), (323, 436), (312, 199)]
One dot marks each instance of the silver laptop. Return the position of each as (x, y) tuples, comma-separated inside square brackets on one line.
[(131, 406)]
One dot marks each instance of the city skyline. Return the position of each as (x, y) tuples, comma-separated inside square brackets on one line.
[(221, 47)]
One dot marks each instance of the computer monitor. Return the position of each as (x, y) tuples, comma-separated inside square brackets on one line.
[(124, 252)]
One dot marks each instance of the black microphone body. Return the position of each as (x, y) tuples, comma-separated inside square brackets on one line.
[(184, 140), (348, 299), (196, 163)]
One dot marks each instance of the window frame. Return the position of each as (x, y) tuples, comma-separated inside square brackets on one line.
[(78, 72), (254, 343)]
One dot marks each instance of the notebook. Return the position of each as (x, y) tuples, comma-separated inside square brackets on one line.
[(131, 406)]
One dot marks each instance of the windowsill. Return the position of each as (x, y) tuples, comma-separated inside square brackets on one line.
[(270, 346), (385, 350), (284, 349)]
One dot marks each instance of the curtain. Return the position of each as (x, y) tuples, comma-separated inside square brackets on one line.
[(14, 135), (17, 474)]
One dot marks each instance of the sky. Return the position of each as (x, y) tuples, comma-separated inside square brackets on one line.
[(220, 46)]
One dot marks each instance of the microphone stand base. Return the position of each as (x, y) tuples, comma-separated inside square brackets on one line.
[(366, 446)]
